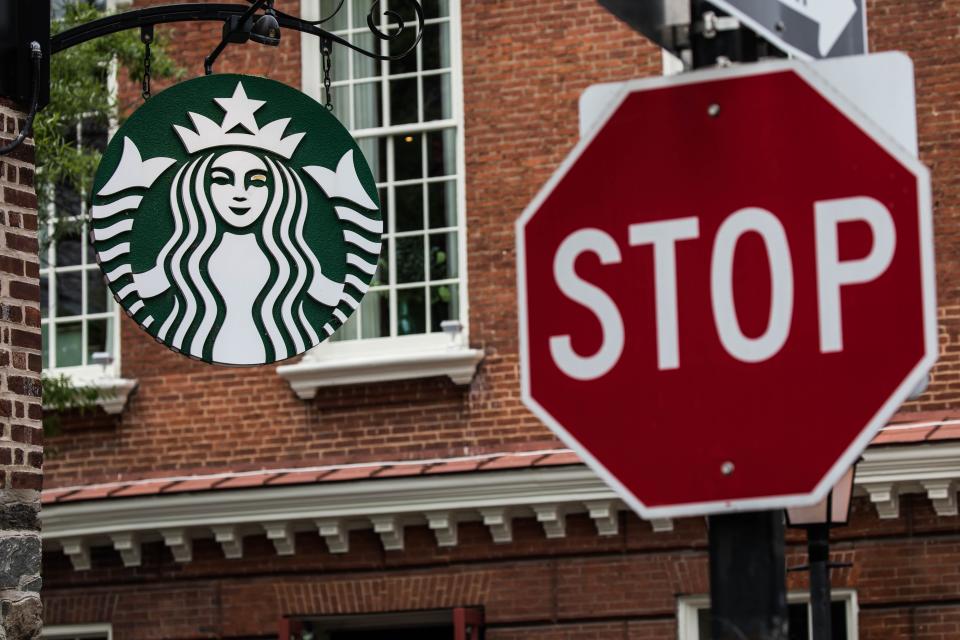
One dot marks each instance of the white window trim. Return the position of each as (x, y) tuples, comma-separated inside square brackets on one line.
[(688, 625), (114, 389), (72, 631), (334, 363)]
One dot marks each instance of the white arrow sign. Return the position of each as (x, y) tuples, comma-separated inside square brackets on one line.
[(833, 16), (807, 29)]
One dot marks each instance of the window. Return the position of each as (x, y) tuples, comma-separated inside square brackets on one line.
[(693, 616), (77, 632), (78, 314), (461, 623), (405, 116)]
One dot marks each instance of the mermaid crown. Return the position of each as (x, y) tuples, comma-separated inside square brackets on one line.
[(238, 110)]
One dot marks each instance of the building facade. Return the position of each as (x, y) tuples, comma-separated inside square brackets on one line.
[(390, 484)]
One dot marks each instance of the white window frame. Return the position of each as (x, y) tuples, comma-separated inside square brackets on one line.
[(397, 357), (87, 372), (73, 631), (688, 607), (106, 378)]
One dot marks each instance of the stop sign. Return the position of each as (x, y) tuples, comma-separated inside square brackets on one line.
[(726, 290)]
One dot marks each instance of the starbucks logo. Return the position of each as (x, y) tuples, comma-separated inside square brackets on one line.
[(236, 220)]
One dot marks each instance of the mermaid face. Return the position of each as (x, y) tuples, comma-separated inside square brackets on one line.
[(239, 190)]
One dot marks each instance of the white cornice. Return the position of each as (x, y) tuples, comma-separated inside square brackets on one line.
[(887, 472), (912, 462), (324, 501), (441, 502), (114, 393), (308, 375)]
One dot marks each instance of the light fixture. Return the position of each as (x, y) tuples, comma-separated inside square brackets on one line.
[(832, 511), (266, 30)]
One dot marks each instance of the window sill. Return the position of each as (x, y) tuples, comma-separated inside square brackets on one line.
[(114, 390), (338, 364)]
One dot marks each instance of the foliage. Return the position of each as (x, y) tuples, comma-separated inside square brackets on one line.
[(79, 91), (60, 394)]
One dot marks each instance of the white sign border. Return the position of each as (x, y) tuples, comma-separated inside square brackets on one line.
[(928, 275)]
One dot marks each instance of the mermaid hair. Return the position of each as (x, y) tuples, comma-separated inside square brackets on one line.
[(197, 305)]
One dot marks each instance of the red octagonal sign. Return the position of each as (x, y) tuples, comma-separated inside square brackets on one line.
[(726, 290)]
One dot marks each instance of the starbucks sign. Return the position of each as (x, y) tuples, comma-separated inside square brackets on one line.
[(236, 220)]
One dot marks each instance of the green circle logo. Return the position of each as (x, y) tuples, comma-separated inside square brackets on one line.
[(236, 220)]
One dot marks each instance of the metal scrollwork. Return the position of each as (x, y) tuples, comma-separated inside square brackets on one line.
[(163, 14), (396, 21)]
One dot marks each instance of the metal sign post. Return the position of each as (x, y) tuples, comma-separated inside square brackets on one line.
[(748, 598)]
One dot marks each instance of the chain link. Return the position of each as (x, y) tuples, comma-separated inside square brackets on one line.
[(146, 72), (325, 48)]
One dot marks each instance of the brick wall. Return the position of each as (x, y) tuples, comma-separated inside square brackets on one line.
[(250, 417), (21, 434), (525, 63), (577, 588)]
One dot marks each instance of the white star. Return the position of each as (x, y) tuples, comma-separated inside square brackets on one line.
[(239, 110)]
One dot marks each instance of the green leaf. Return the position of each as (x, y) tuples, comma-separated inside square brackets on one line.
[(79, 91), (61, 394)]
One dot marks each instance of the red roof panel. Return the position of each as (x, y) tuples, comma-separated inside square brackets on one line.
[(906, 428)]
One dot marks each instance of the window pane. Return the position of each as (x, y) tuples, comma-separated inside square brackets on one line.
[(339, 64), (375, 314), (44, 296), (384, 207), (366, 105), (364, 67), (93, 134), (799, 624), (704, 624), (403, 101), (66, 201), (69, 344), (409, 212), (45, 345), (68, 250), (43, 238), (407, 157), (410, 259), (98, 297), (444, 305), (838, 620), (90, 254), (402, 7), (375, 152), (340, 97), (436, 8), (441, 152), (436, 46), (443, 255), (360, 10), (436, 97), (382, 275), (347, 331), (401, 43), (327, 7), (69, 294), (411, 311), (98, 336), (443, 204)]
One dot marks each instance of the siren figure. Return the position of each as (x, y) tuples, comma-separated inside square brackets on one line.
[(238, 263)]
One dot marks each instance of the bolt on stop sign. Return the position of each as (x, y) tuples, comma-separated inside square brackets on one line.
[(726, 290)]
